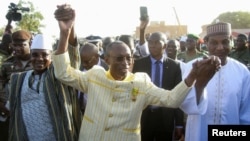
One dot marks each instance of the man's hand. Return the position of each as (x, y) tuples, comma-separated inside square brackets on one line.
[(206, 69), (144, 24), (178, 133), (65, 16), (203, 70)]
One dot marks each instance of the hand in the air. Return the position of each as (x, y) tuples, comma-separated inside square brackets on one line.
[(65, 16)]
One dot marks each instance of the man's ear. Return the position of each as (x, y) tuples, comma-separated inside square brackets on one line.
[(106, 59)]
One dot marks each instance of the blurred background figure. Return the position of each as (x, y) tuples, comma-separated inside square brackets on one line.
[(241, 52), (105, 42), (130, 41), (96, 40), (191, 49), (183, 40)]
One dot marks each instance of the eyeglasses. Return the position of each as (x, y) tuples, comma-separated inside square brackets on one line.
[(121, 58)]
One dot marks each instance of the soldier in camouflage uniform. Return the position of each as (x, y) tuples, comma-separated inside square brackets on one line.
[(19, 62), (241, 52), (5, 48), (191, 52)]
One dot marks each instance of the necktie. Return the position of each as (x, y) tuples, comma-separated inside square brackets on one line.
[(156, 82), (157, 73)]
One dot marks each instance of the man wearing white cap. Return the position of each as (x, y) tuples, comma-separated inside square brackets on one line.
[(42, 108), (228, 92)]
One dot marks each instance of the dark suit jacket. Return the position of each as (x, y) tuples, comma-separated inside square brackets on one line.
[(171, 77)]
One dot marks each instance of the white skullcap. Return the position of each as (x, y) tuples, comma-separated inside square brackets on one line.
[(42, 42), (183, 38)]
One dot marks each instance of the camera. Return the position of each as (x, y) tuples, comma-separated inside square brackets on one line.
[(13, 14)]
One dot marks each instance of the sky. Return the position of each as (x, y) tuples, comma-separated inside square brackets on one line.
[(116, 17)]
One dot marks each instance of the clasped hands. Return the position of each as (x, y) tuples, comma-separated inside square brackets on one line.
[(203, 70)]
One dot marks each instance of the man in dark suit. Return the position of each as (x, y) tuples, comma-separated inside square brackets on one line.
[(158, 123), (90, 56)]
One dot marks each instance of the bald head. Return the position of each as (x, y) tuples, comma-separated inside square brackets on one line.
[(158, 35), (115, 45), (89, 48), (89, 54)]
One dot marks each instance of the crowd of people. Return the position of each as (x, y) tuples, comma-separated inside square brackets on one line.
[(115, 88)]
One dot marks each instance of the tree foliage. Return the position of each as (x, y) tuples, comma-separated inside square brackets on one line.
[(238, 20), (31, 20)]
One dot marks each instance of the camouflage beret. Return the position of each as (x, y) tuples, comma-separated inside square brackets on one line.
[(21, 35), (193, 36)]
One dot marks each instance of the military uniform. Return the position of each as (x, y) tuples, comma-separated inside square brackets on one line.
[(184, 57), (21, 41), (11, 65), (3, 56), (191, 39), (243, 56)]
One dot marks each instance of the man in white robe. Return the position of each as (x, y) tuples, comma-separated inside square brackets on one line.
[(227, 100)]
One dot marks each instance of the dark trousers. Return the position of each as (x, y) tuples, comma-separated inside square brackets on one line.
[(153, 128), (4, 129)]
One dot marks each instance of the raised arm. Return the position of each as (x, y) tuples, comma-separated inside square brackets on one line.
[(143, 26), (66, 24)]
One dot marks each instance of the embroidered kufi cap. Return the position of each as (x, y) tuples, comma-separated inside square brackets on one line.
[(42, 42), (220, 28)]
